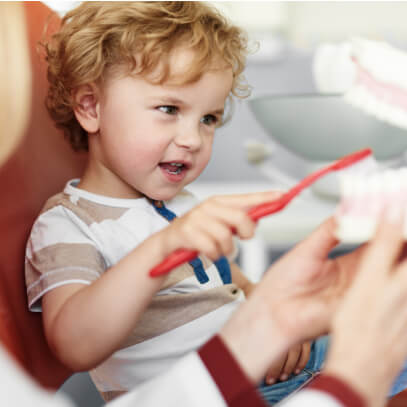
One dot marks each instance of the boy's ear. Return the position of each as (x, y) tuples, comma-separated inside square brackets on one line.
[(86, 109)]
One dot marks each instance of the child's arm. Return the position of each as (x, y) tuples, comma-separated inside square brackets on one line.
[(240, 279), (85, 324)]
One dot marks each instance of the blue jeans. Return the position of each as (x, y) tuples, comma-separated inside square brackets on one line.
[(276, 392), (400, 383)]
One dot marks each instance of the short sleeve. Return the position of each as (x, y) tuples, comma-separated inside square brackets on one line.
[(60, 251)]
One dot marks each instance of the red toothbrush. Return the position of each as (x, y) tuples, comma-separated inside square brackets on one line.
[(183, 255)]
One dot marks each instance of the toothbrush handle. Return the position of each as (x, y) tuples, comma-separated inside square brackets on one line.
[(268, 208), (181, 256), (175, 259)]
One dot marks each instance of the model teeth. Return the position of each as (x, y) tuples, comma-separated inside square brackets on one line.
[(380, 85), (363, 200), (360, 97), (384, 62)]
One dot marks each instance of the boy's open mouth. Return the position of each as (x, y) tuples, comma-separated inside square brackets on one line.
[(173, 168)]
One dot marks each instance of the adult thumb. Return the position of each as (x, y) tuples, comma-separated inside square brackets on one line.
[(321, 241)]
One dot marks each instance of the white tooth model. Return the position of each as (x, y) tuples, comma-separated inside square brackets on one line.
[(364, 198), (370, 74), (380, 86), (333, 68)]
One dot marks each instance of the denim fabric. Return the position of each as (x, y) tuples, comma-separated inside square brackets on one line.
[(400, 383), (276, 392)]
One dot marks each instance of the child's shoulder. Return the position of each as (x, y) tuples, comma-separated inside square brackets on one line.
[(58, 199), (63, 207)]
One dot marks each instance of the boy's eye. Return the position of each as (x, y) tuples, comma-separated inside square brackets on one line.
[(168, 109), (209, 120)]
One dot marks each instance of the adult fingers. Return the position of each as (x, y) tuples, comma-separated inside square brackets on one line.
[(320, 242), (386, 246)]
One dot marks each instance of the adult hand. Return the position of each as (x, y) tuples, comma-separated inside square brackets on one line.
[(371, 321), (304, 287), (294, 302)]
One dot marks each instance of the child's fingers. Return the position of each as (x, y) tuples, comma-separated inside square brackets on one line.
[(236, 219), (247, 201), (304, 357), (220, 233), (205, 243), (293, 356), (274, 372)]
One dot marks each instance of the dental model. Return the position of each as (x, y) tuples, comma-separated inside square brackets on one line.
[(379, 88), (380, 84), (364, 197), (370, 74)]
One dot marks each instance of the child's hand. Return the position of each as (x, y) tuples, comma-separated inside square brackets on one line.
[(293, 362), (209, 227)]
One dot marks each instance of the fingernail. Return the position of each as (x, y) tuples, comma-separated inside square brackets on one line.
[(284, 377), (297, 371), (271, 380)]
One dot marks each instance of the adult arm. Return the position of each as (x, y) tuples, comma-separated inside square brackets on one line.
[(304, 294), (214, 378), (196, 381)]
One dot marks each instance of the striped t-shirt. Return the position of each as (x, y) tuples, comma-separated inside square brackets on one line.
[(79, 235)]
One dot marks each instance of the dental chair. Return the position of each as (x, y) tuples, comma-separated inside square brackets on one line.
[(38, 169)]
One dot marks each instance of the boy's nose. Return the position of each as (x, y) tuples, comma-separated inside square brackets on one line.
[(189, 138)]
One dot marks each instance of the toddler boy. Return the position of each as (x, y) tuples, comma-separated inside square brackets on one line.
[(142, 87)]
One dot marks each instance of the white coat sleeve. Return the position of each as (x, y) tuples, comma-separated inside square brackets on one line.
[(187, 383), (210, 377), (19, 390)]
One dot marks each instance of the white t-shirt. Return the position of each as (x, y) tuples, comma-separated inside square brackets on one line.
[(79, 235)]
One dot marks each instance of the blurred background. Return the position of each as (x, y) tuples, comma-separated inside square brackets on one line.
[(287, 35)]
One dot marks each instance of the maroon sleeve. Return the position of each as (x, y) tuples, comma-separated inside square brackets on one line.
[(338, 389), (238, 391), (233, 384)]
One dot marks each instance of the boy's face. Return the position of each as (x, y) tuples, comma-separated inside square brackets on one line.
[(155, 139)]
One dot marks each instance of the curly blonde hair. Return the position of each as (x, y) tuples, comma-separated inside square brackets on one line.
[(97, 37)]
